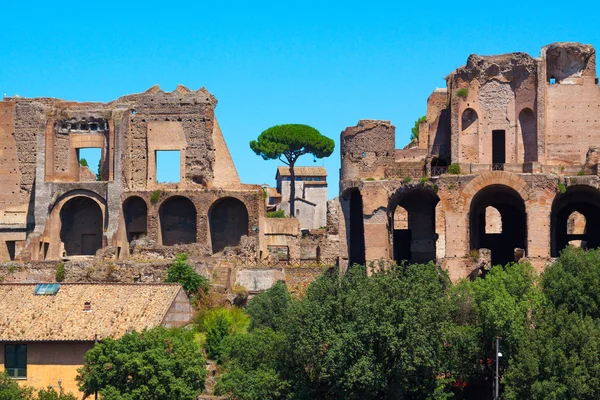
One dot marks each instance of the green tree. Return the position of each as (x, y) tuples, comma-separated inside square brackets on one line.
[(414, 132), (269, 308), (359, 337), (158, 363), (498, 305), (181, 272), (251, 366), (83, 162), (560, 358), (218, 324), (287, 143), (51, 394), (573, 281), (99, 172), (10, 390)]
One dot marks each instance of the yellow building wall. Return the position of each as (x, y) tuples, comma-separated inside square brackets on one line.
[(47, 362)]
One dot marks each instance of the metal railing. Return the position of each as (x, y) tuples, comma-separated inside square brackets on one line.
[(498, 167), (439, 170)]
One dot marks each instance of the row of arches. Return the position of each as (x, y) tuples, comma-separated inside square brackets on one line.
[(497, 221), (82, 223)]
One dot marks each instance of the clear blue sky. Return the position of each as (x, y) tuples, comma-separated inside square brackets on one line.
[(319, 63)]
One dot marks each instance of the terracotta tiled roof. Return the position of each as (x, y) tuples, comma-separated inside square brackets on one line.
[(115, 309), (302, 171), (272, 192)]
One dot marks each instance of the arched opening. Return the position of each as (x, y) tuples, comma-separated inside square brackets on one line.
[(498, 222), (356, 229), (228, 221), (135, 212), (575, 219), (81, 226), (469, 120), (177, 221), (528, 139), (413, 222)]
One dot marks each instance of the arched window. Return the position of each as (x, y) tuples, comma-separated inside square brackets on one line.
[(177, 221)]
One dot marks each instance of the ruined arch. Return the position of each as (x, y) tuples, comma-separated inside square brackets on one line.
[(81, 226), (228, 222), (585, 201), (355, 228), (528, 136), (177, 216), (135, 212), (413, 225), (510, 205)]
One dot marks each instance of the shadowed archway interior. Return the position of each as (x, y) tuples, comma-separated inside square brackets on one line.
[(228, 220), (135, 212), (81, 226), (512, 222), (177, 221), (583, 200)]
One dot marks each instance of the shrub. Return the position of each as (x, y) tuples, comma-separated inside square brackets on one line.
[(562, 188), (155, 196), (581, 172), (269, 308), (83, 162), (454, 169), (51, 394), (408, 179), (218, 324), (463, 92), (181, 272), (276, 214), (370, 179), (60, 272), (424, 180)]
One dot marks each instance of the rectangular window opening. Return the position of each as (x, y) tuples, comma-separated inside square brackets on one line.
[(91, 158), (15, 360), (498, 147), (11, 246), (168, 166)]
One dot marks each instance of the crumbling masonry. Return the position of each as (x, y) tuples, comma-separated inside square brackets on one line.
[(51, 207), (523, 132)]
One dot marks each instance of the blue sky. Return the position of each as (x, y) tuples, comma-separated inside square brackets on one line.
[(321, 63)]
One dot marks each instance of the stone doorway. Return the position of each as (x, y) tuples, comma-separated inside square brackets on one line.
[(177, 221), (228, 220)]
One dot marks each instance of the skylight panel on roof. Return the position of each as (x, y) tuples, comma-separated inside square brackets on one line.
[(46, 289)]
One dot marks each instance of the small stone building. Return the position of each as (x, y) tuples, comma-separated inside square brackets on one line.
[(46, 329), (506, 161), (51, 207), (311, 194)]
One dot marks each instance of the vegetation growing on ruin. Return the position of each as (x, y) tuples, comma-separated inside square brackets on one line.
[(194, 284), (83, 162), (454, 169), (462, 92), (60, 272), (155, 196), (276, 214), (287, 143), (407, 179), (562, 188), (414, 132)]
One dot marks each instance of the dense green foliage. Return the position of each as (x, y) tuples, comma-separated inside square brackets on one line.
[(155, 364), (83, 162), (10, 390), (269, 309), (276, 214), (219, 323), (291, 141), (99, 172), (462, 92), (414, 131), (181, 272), (408, 333)]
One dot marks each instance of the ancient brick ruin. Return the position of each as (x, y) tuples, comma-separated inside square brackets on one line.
[(52, 207), (524, 134)]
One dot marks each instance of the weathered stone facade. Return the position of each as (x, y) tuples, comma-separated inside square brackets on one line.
[(522, 131), (51, 207)]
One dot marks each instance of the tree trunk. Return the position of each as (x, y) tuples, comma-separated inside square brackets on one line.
[(292, 191)]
